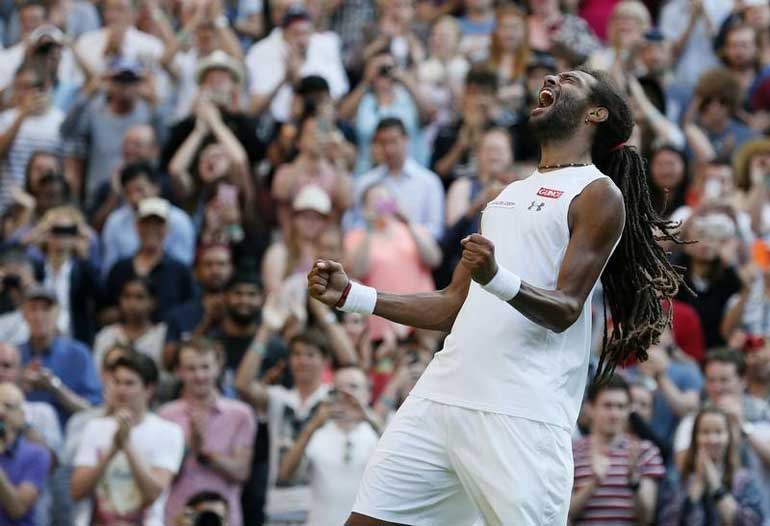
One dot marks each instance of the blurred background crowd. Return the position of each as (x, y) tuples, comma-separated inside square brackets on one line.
[(170, 169)]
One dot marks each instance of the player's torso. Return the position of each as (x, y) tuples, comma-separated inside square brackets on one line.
[(493, 351)]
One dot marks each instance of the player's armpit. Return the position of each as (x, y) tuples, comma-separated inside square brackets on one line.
[(596, 220)]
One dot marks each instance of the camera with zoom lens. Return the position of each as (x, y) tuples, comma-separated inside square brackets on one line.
[(208, 518)]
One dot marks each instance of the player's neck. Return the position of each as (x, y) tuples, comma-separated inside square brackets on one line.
[(564, 153)]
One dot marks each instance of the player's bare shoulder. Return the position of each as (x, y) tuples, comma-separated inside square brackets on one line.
[(599, 206)]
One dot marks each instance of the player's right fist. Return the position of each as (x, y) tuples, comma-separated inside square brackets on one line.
[(327, 281), (479, 258)]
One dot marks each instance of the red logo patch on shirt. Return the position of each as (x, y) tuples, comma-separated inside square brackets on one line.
[(551, 194)]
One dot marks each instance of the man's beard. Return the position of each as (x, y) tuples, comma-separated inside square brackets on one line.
[(560, 123), (241, 319)]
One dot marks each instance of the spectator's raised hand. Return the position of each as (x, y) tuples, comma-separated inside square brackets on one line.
[(114, 45)]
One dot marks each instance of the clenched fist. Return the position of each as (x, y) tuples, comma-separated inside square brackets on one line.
[(326, 281), (479, 258)]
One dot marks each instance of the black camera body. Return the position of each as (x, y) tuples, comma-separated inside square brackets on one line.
[(208, 518), (386, 70)]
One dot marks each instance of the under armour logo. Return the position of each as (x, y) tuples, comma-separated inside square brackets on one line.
[(537, 206)]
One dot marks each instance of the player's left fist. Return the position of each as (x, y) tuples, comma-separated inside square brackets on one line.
[(479, 258)]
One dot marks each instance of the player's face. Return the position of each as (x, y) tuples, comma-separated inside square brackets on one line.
[(562, 105), (610, 411)]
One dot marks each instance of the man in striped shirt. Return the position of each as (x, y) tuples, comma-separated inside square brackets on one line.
[(616, 474)]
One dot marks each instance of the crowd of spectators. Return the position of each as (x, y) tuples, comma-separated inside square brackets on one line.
[(170, 169)]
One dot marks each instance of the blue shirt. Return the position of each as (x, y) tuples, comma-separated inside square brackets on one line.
[(369, 115), (72, 362), (120, 240), (24, 463), (417, 190)]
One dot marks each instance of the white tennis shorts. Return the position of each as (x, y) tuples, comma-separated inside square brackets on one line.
[(445, 465)]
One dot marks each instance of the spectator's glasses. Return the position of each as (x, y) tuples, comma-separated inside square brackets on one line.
[(348, 455)]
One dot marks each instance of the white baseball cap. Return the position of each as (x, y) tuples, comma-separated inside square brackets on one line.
[(154, 206), (313, 197)]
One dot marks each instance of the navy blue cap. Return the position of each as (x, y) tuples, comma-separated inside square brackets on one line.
[(654, 35)]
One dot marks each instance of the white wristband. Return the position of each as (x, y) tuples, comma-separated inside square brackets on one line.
[(361, 299), (505, 284)]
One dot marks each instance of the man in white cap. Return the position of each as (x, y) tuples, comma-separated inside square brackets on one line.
[(170, 280)]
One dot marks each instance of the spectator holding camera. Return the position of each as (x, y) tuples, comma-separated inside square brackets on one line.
[(336, 443), (616, 475), (17, 274), (277, 63), (391, 252), (64, 238), (45, 182), (417, 190), (714, 487), (119, 37), (219, 432), (205, 508), (288, 411), (126, 461), (31, 124), (711, 270), (24, 464), (386, 92)]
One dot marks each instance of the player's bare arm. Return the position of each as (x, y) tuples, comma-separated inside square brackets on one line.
[(596, 219), (430, 310)]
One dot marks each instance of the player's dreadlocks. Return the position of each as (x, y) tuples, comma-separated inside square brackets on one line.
[(638, 276)]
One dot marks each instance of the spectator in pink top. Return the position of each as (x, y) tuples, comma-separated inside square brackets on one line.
[(219, 433), (390, 253)]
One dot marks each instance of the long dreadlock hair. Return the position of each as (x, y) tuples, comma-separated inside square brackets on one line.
[(638, 277)]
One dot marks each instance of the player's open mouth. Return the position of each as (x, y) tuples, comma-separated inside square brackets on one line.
[(545, 99)]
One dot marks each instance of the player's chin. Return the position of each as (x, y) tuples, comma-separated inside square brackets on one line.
[(540, 112)]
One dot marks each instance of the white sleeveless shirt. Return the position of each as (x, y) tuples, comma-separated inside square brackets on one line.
[(495, 359)]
